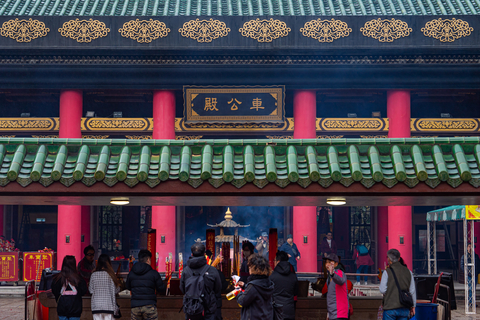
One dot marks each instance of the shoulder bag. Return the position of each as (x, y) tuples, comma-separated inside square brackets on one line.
[(406, 299)]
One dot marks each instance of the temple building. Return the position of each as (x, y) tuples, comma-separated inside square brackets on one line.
[(277, 109)]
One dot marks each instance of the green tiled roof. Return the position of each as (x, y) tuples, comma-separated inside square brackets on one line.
[(346, 161), (236, 7)]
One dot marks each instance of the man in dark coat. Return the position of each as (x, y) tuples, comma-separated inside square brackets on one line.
[(218, 295), (142, 281), (286, 285), (292, 251), (247, 248), (213, 285)]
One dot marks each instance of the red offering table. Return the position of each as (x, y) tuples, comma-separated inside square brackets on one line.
[(34, 263), (8, 266)]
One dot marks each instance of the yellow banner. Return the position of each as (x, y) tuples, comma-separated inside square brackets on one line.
[(472, 212)]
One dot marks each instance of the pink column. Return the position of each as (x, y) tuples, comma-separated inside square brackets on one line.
[(164, 218), (69, 217), (305, 218), (85, 226), (400, 217), (382, 248)]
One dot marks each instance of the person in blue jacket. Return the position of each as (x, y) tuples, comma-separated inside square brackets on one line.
[(291, 249)]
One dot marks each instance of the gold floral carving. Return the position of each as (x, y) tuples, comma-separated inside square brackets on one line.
[(264, 30), (329, 137), (235, 125), (23, 30), (204, 30), (138, 137), (440, 124), (374, 137), (84, 30), (351, 124), (107, 124), (447, 30), (188, 137), (45, 136), (386, 30), (144, 31), (7, 136), (90, 136), (326, 30), (280, 137), (15, 124)]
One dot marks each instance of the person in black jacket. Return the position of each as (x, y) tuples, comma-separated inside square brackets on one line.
[(286, 285), (256, 300), (142, 281), (68, 288), (213, 286), (218, 295), (247, 248)]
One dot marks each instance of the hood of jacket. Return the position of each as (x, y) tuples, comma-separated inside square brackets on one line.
[(263, 284), (283, 267), (196, 262), (141, 268)]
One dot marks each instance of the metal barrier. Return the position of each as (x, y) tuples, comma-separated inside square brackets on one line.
[(446, 304), (30, 295)]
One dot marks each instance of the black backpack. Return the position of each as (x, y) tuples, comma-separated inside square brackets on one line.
[(197, 299)]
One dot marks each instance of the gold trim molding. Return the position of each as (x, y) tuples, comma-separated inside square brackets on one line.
[(447, 30), (264, 30), (386, 30), (351, 124), (84, 31), (23, 30), (188, 137), (442, 124), (326, 30), (204, 30), (27, 124), (116, 124), (144, 31)]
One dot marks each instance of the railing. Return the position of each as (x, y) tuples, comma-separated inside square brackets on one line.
[(30, 295)]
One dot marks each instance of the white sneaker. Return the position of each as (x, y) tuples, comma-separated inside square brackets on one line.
[(366, 283), (357, 283)]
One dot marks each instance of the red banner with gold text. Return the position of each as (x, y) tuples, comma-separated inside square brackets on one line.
[(8, 266), (34, 263)]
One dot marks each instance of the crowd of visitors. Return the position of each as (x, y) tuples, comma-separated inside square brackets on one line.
[(262, 293)]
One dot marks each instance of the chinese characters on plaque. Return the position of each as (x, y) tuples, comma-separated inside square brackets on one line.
[(8, 266), (234, 104), (34, 263)]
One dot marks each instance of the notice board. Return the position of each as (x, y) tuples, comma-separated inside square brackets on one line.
[(34, 263), (8, 266)]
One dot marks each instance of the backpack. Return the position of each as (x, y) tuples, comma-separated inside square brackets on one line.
[(197, 300), (362, 250)]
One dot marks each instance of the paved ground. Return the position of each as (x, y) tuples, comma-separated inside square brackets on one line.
[(13, 309)]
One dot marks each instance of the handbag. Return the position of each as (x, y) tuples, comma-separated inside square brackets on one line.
[(277, 310), (117, 314), (406, 299)]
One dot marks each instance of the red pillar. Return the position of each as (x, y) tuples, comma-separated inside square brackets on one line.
[(382, 248), (164, 217), (305, 218), (69, 217), (400, 217), (85, 226)]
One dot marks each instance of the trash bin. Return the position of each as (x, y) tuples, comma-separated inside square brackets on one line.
[(426, 311)]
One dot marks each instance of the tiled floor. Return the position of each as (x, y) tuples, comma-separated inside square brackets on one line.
[(13, 309)]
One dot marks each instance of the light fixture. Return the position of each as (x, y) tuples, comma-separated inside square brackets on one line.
[(351, 115), (121, 201), (25, 115), (376, 114), (445, 115), (336, 202), (117, 114), (90, 114)]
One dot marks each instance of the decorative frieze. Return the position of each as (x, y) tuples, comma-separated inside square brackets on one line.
[(84, 31), (447, 30), (386, 30), (22, 30), (264, 30), (144, 31), (326, 30), (204, 30)]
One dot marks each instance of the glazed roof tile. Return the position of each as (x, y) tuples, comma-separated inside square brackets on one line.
[(432, 161), (237, 7)]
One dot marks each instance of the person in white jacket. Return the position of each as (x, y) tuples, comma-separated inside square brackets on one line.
[(103, 286)]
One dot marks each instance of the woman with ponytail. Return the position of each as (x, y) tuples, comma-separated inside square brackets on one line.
[(104, 285)]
